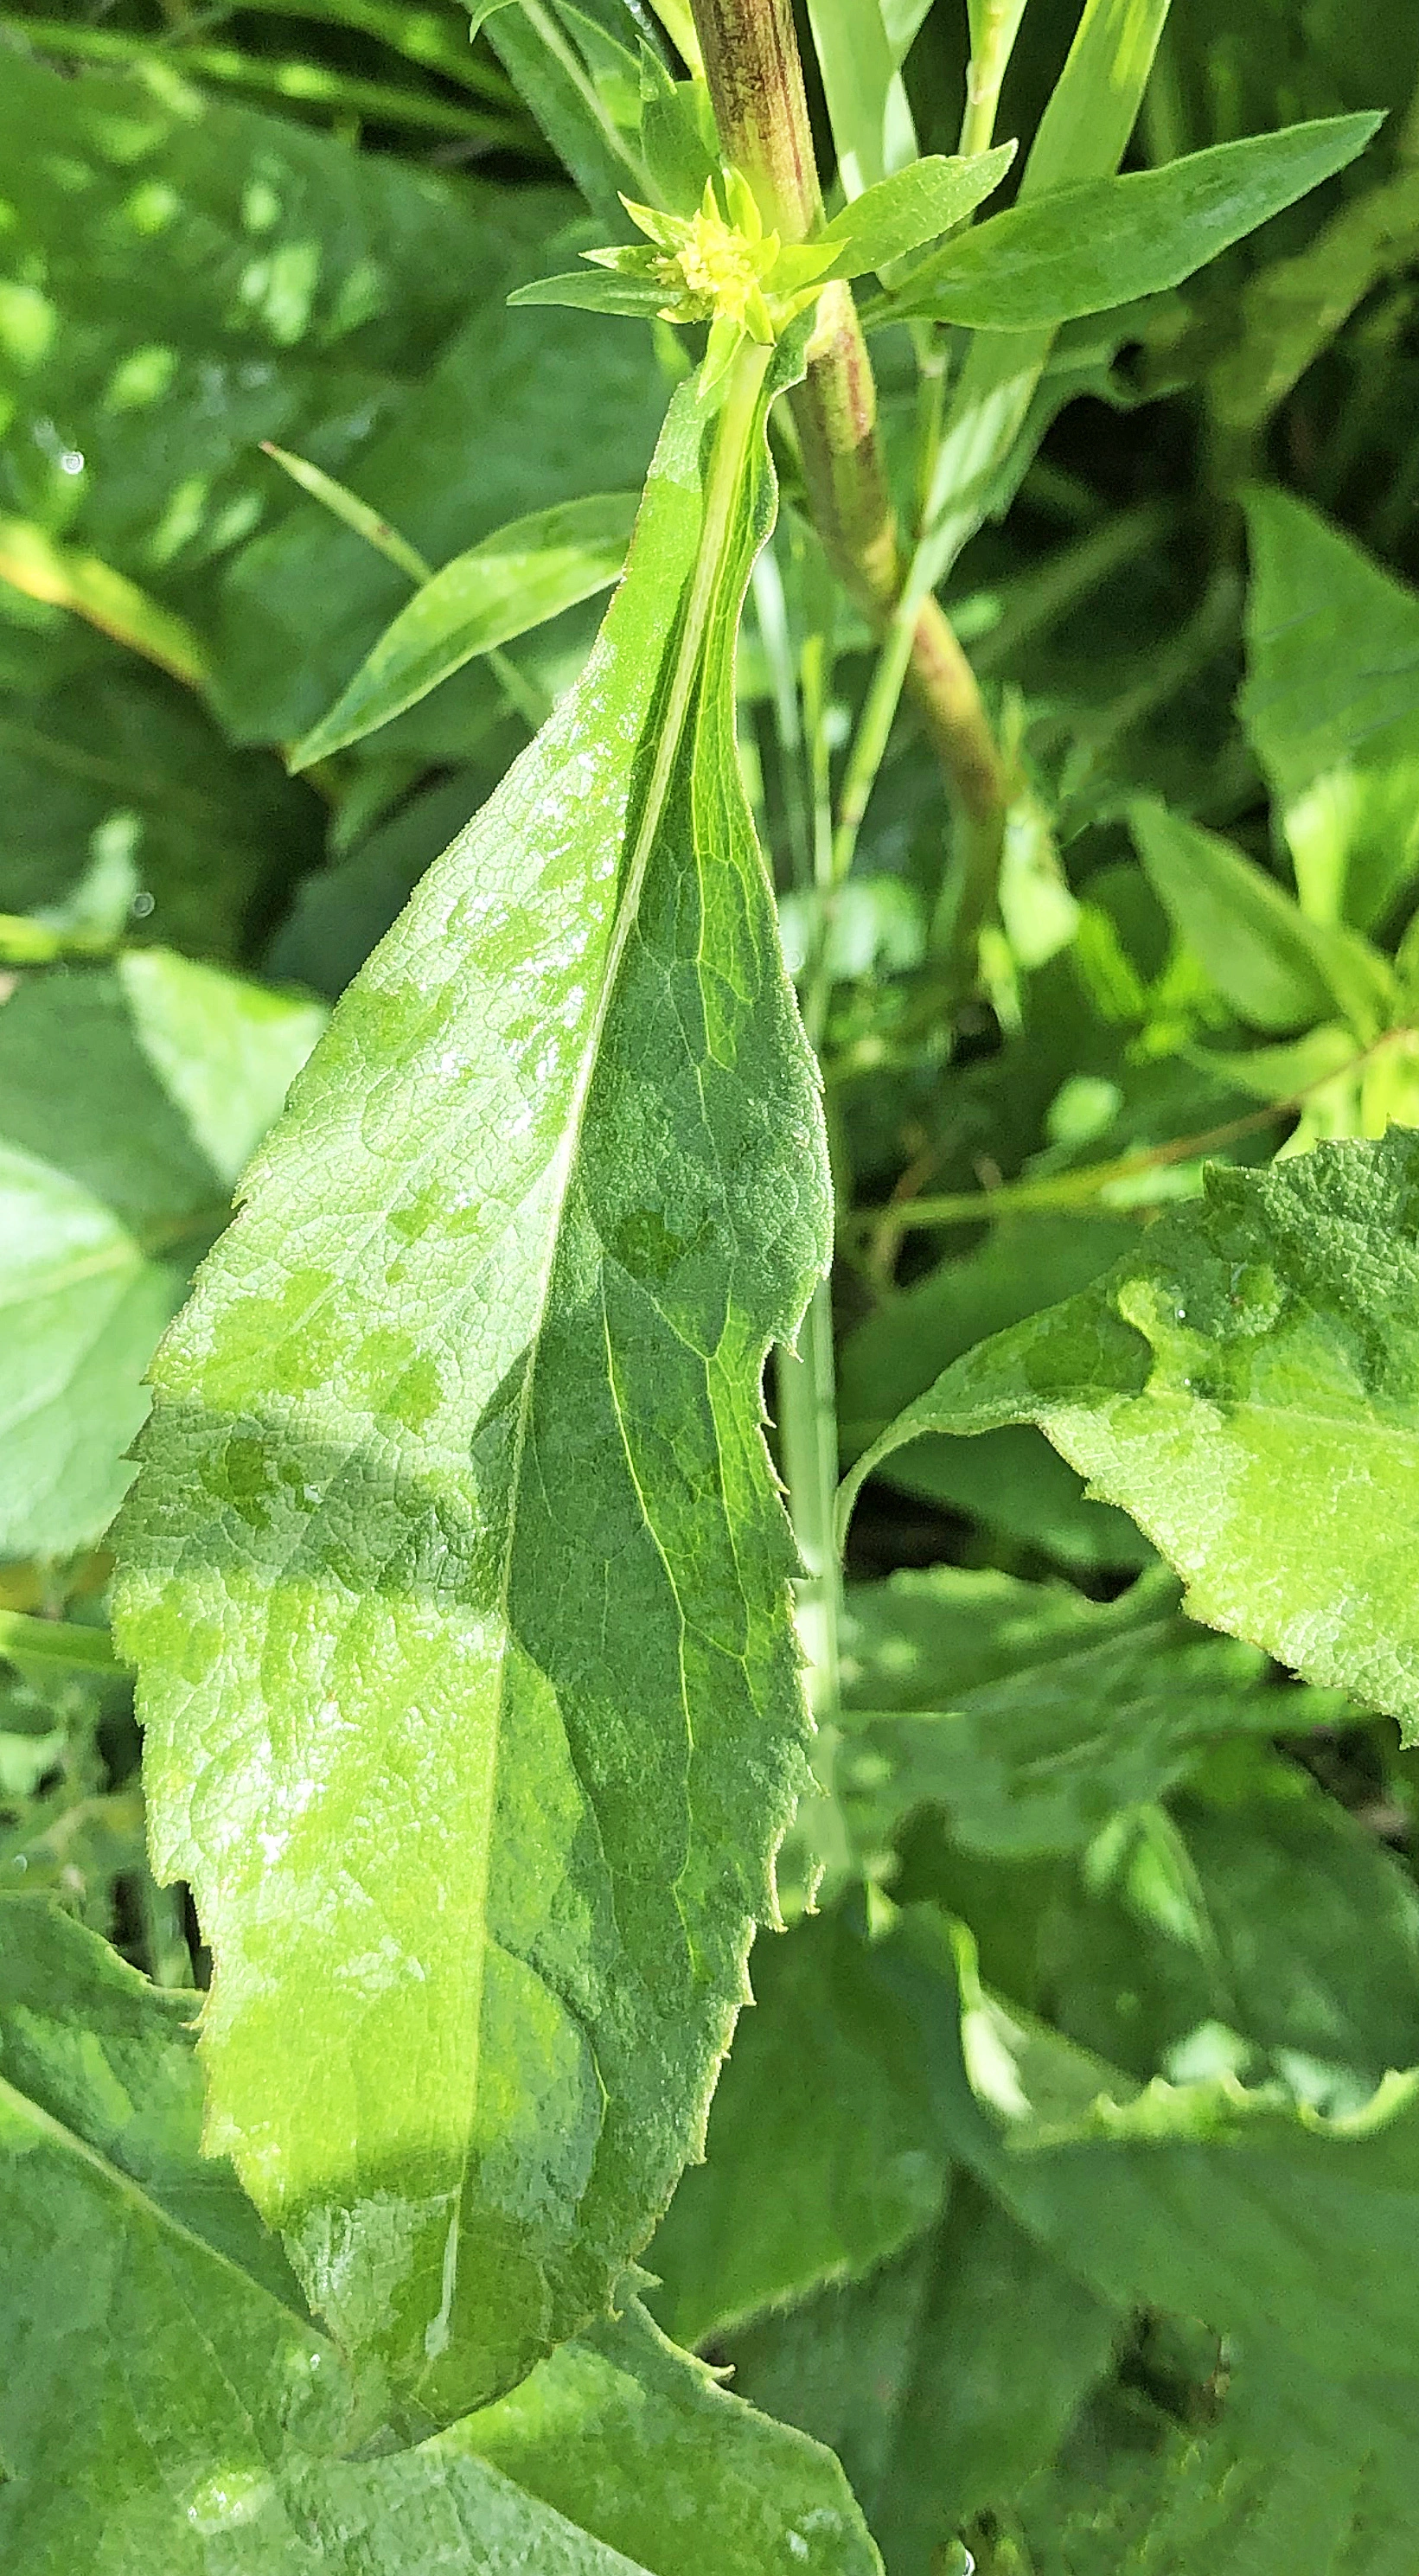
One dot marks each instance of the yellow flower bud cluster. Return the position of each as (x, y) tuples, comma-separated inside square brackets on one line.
[(719, 266)]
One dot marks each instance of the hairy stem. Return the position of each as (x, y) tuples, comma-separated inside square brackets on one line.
[(756, 82)]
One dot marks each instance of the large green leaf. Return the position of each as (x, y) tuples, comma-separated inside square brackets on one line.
[(1100, 242), (1030, 1714), (824, 2150), (167, 2404), (1331, 705), (158, 2362), (342, 911), (1206, 2199), (1243, 1384), (637, 2442), (517, 578), (456, 1557), (130, 1097)]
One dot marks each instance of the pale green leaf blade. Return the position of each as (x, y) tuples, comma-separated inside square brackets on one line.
[(85, 1306), (545, 66), (1030, 1714), (596, 290), (1103, 242), (1089, 116), (1243, 1385), (478, 11), (345, 505), (1331, 707), (456, 1550), (912, 206), (130, 1097), (679, 144), (824, 2142), (515, 579), (636, 2441), (1279, 970), (225, 1049)]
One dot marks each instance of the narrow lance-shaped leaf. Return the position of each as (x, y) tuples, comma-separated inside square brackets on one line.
[(912, 206), (517, 578), (1245, 1385), (1102, 242), (455, 1572)]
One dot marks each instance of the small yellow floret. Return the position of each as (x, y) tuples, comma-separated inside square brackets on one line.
[(717, 262)]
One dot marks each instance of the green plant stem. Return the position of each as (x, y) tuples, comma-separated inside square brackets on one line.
[(756, 82), (808, 1444), (525, 699), (164, 1934), (58, 1642), (306, 84), (1055, 1190), (985, 72)]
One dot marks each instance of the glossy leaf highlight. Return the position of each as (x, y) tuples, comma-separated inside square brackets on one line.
[(456, 1559), (1079, 249)]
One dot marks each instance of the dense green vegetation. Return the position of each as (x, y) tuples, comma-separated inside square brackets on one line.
[(814, 1392)]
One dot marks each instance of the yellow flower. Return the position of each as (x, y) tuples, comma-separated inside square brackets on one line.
[(719, 266)]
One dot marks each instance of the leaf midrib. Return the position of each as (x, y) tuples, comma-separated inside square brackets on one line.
[(738, 422)]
